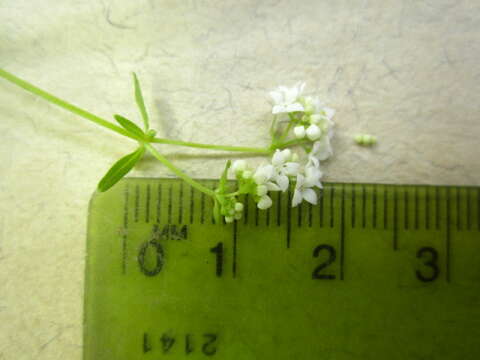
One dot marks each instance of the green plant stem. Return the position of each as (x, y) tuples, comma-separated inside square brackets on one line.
[(102, 122), (212, 147), (178, 172), (64, 104), (291, 143)]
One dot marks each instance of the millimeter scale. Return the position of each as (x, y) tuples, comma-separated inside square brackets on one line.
[(370, 272)]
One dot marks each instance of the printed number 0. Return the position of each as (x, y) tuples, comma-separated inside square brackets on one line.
[(158, 258), (431, 262), (332, 255)]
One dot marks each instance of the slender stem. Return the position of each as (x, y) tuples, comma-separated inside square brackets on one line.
[(64, 104), (288, 128), (291, 143), (178, 172), (212, 147), (102, 122)]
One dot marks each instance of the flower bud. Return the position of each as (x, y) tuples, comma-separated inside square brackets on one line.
[(264, 203), (238, 207), (299, 132), (313, 132)]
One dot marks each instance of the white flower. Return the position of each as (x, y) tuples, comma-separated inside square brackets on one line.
[(313, 132), (284, 167), (304, 185), (303, 192), (322, 149), (299, 131), (265, 202), (264, 175), (286, 99)]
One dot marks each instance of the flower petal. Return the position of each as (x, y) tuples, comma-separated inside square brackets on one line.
[(264, 203), (282, 181), (278, 109), (294, 107), (276, 96), (291, 168), (272, 186), (310, 195), (297, 198), (278, 158)]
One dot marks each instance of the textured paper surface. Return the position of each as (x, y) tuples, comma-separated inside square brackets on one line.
[(406, 71)]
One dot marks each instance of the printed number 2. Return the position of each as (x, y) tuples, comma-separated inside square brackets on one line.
[(332, 255), (431, 257)]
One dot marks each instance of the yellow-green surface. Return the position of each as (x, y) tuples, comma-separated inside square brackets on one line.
[(156, 291)]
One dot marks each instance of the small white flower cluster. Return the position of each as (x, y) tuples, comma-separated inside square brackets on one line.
[(312, 130), (312, 121), (274, 176)]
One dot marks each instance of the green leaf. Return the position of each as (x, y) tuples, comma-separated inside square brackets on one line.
[(120, 169), (129, 125), (223, 179), (140, 102)]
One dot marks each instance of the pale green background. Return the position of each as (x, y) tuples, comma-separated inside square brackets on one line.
[(406, 71)]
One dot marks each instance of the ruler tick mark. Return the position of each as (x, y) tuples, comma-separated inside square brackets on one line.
[(180, 205), (342, 234), (234, 264), (267, 220), (147, 205), (159, 201), (169, 214), (125, 230), (353, 210), (279, 208), (447, 245), (395, 221), (310, 210), (202, 208), (478, 209), (320, 214), (427, 208), (289, 213), (405, 208), (332, 194), (256, 215), (415, 191), (437, 209), (192, 204), (299, 215), (385, 208), (457, 208), (469, 210), (245, 211), (374, 213), (137, 202), (364, 204)]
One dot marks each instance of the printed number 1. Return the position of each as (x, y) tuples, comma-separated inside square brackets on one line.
[(218, 251)]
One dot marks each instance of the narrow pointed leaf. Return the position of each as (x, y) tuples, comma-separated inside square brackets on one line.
[(129, 125), (120, 169), (223, 179), (140, 102)]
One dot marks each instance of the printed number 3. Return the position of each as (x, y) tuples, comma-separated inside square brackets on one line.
[(431, 257)]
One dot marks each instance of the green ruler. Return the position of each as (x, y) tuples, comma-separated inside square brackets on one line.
[(371, 272)]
